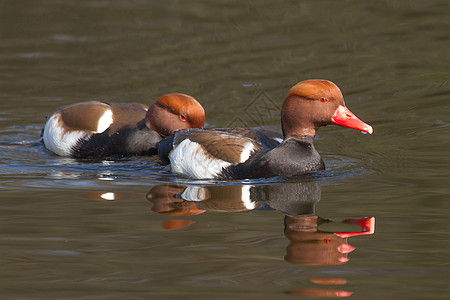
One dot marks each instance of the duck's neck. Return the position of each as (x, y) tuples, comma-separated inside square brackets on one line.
[(304, 138), (300, 130), (300, 134), (306, 134)]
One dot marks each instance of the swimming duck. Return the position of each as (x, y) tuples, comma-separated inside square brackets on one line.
[(100, 129), (228, 154)]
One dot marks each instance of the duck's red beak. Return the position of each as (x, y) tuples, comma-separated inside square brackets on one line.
[(344, 117)]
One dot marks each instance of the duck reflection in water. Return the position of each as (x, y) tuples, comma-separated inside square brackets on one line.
[(309, 245), (297, 200)]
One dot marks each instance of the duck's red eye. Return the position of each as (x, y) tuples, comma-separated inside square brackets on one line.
[(323, 100), (182, 118)]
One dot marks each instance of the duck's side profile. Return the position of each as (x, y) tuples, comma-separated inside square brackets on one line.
[(236, 154), (99, 129)]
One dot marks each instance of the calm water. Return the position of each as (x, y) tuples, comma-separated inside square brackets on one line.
[(125, 229)]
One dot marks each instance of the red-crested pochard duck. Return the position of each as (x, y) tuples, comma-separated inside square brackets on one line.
[(99, 129), (242, 153)]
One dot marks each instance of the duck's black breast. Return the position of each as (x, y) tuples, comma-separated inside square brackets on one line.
[(294, 156), (164, 147), (128, 140)]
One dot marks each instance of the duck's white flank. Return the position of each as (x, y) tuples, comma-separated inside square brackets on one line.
[(189, 158), (57, 139), (61, 141), (105, 121), (246, 152)]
